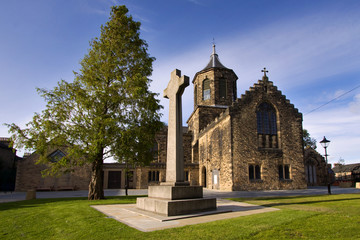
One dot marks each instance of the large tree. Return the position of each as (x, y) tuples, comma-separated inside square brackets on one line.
[(108, 105)]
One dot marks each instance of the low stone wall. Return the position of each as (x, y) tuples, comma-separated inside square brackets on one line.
[(345, 184)]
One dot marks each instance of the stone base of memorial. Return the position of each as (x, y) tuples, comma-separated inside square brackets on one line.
[(175, 199)]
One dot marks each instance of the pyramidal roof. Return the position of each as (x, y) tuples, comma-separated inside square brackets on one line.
[(214, 61)]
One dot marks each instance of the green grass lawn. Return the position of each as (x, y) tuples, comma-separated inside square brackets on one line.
[(315, 217)]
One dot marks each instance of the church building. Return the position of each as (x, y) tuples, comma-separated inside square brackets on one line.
[(249, 143), (253, 142)]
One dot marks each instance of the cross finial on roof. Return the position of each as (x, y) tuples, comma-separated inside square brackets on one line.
[(213, 42), (264, 71)]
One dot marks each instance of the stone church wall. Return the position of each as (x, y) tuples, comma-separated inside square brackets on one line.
[(246, 146), (215, 154), (315, 168), (201, 118)]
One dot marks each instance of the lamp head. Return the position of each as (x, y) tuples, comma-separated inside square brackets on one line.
[(325, 143)]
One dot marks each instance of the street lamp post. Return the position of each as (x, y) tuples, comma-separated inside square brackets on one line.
[(325, 143)]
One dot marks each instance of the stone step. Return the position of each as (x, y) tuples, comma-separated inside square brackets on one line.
[(175, 207), (175, 192)]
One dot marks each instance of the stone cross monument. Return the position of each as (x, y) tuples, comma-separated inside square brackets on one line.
[(175, 152), (175, 197)]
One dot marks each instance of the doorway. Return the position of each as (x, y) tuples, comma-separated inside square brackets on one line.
[(114, 180), (215, 179)]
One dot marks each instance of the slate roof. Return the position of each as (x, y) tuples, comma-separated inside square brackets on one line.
[(214, 61), (346, 168)]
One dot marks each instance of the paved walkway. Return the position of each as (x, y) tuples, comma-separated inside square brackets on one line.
[(147, 222), (18, 196)]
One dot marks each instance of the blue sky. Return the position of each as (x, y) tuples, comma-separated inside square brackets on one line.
[(311, 49)]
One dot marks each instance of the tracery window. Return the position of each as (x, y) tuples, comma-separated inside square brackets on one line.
[(206, 89), (266, 126), (266, 119)]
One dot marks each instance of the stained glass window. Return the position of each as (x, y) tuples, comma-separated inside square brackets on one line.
[(266, 119)]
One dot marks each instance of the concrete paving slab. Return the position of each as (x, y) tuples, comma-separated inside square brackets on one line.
[(148, 221)]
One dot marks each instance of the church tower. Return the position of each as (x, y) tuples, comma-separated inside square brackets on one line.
[(214, 91), (215, 85)]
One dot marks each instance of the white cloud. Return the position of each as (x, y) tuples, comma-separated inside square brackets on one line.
[(339, 125), (297, 52), (338, 93), (355, 105)]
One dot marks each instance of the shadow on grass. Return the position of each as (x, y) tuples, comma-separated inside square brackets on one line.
[(42, 201), (278, 204)]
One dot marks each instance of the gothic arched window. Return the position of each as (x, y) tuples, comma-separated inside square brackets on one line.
[(266, 126), (266, 119), (206, 89)]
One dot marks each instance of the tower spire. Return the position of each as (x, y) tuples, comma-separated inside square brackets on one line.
[(214, 59), (213, 44)]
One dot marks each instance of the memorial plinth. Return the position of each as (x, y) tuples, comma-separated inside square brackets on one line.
[(177, 207), (175, 196)]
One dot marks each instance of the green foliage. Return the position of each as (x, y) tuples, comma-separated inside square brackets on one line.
[(308, 141), (308, 217), (107, 106)]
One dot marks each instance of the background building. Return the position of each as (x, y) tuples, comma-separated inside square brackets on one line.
[(8, 161), (347, 174)]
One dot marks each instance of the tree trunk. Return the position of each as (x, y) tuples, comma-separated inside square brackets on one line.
[(126, 182), (96, 190)]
